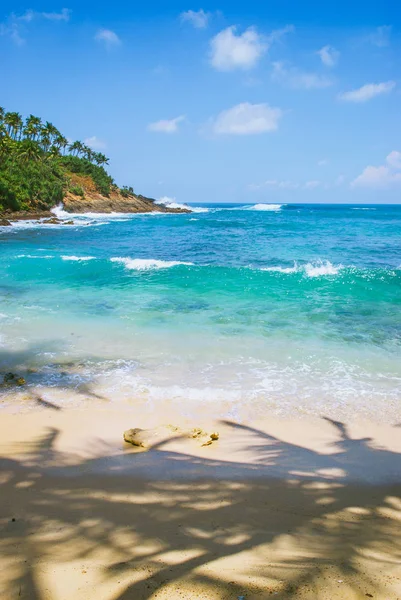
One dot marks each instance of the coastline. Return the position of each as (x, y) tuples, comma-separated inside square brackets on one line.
[(272, 507)]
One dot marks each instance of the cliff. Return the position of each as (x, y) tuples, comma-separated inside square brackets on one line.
[(118, 201)]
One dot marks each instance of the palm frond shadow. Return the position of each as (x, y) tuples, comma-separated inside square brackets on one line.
[(149, 508)]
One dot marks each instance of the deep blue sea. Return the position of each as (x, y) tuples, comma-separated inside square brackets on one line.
[(249, 309)]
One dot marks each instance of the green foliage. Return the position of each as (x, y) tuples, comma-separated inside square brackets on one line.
[(126, 191), (77, 190), (34, 164)]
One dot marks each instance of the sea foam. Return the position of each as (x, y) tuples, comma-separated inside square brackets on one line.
[(267, 207), (318, 268), (171, 203), (78, 258), (147, 264)]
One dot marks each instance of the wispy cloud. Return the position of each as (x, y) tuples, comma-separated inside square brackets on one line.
[(384, 176), (329, 56), (381, 36), (298, 79), (247, 119), (285, 184), (94, 143), (64, 15), (367, 92), (198, 19), (107, 37), (14, 25), (166, 125)]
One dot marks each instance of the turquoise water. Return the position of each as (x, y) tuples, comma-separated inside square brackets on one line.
[(293, 309)]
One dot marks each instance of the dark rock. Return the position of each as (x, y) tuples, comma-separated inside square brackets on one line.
[(4, 223), (53, 221), (12, 379)]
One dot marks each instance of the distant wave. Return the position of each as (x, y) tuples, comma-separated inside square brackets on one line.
[(318, 268), (171, 203), (78, 258), (267, 207), (147, 264), (34, 256), (362, 208)]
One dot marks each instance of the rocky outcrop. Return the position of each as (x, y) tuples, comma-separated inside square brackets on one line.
[(92, 201)]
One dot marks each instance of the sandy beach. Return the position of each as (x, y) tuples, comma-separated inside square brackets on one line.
[(288, 509)]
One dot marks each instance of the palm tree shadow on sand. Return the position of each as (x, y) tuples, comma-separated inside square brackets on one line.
[(295, 523)]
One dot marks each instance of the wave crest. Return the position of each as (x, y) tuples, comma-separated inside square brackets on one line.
[(319, 268), (171, 203), (267, 207), (147, 264)]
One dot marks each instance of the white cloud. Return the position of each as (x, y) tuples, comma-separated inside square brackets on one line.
[(381, 36), (329, 56), (94, 143), (298, 79), (110, 38), (230, 51), (368, 91), (166, 126), (247, 119), (64, 15), (384, 176), (394, 159), (199, 19)]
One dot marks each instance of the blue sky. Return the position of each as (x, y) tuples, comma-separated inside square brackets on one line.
[(236, 102)]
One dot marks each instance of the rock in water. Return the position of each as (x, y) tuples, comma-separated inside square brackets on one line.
[(4, 223)]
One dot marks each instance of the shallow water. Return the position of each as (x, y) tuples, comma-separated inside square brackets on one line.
[(283, 310)]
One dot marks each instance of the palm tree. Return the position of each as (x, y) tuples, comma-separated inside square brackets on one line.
[(60, 142), (32, 127), (2, 113), (100, 159), (75, 148), (29, 150), (88, 153), (13, 120)]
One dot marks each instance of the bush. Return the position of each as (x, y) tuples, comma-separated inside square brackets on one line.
[(77, 190), (126, 191)]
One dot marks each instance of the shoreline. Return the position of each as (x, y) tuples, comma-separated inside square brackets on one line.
[(271, 508)]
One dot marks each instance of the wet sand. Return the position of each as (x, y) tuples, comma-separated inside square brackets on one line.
[(284, 509)]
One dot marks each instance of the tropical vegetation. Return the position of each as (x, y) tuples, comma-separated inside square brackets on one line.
[(36, 163)]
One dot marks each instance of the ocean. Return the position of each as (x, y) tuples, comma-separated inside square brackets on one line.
[(249, 310)]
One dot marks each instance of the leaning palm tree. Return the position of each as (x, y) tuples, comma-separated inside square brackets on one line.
[(76, 148), (88, 153), (101, 159)]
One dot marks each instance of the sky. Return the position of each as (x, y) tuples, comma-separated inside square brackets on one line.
[(278, 101)]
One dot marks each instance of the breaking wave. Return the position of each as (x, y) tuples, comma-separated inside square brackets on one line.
[(318, 268), (147, 264), (266, 207), (171, 203)]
